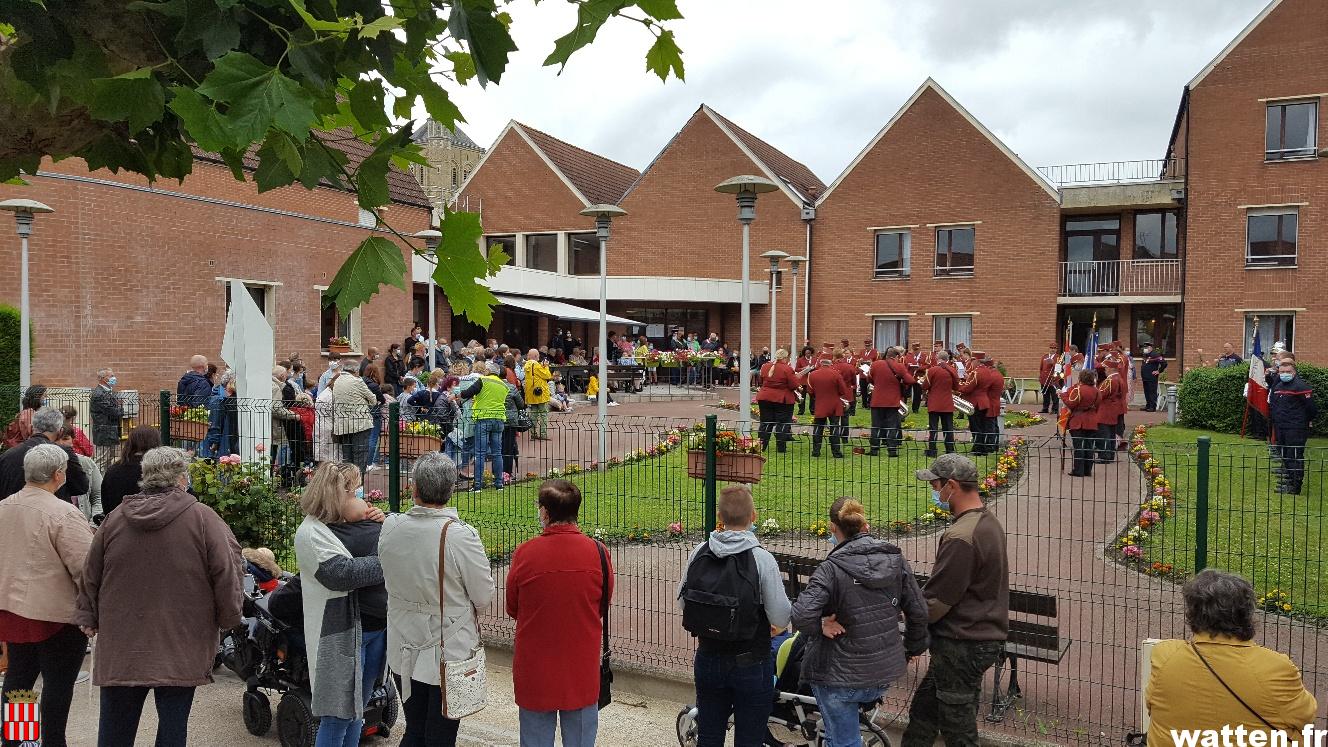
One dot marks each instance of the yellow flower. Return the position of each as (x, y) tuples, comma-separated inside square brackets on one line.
[(1286, 607)]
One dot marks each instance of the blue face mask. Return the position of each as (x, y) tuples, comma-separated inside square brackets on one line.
[(1286, 377), (936, 499), (359, 492), (46, 403), (831, 539), (112, 381)]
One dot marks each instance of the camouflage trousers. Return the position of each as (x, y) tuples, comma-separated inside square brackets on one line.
[(946, 701)]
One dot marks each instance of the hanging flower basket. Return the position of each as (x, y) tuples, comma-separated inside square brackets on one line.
[(412, 447), (338, 349), (729, 466)]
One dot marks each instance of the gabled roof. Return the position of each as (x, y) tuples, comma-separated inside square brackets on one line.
[(931, 84), (788, 171), (1267, 11), (431, 130), (402, 188)]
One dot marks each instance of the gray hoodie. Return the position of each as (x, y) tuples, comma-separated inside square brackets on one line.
[(733, 541), (867, 584)]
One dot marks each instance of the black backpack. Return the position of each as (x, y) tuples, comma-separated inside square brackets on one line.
[(722, 597)]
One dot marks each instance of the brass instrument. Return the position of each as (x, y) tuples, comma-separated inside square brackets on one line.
[(963, 405), (904, 410)]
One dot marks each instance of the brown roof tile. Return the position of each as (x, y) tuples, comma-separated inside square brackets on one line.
[(799, 176), (599, 179)]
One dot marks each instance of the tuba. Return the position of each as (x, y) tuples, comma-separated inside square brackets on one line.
[(963, 405)]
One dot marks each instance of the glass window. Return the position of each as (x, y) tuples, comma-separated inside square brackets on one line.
[(889, 332), (953, 330), (1156, 324), (257, 291), (454, 177), (334, 326), (542, 251), (1081, 321), (954, 251), (1155, 235), (506, 243), (585, 253), (1292, 130), (1271, 238), (892, 254), (1272, 328)]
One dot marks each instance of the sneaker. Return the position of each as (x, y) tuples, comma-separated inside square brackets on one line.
[(612, 404)]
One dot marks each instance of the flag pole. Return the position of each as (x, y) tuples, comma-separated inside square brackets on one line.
[(1245, 418)]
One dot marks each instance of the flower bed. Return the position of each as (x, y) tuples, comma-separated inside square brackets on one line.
[(1128, 547), (1022, 419)]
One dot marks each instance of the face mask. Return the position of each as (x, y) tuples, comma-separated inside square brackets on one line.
[(1286, 377), (46, 403), (359, 492), (112, 381), (936, 499), (832, 540)]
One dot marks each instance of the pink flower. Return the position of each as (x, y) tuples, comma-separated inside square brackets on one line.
[(1132, 551), (375, 495), (675, 527), (260, 448)]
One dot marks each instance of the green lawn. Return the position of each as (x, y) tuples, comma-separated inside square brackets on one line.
[(629, 500), (1271, 538), (917, 421)]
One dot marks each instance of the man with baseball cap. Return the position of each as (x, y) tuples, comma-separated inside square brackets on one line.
[(968, 605)]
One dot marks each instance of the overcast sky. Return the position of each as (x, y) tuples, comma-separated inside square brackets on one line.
[(1060, 81)]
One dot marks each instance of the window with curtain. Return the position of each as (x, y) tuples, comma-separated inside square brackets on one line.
[(892, 254), (954, 251), (1292, 129), (1271, 237), (1273, 327), (953, 330), (888, 332)]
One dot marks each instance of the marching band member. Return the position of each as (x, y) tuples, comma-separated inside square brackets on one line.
[(1082, 401), (914, 361), (1050, 377), (994, 382), (804, 366), (865, 358), (941, 383), (890, 382), (844, 367), (778, 394), (830, 392), (975, 391), (1110, 409)]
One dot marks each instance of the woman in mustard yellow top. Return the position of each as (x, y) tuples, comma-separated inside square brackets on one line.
[(538, 391), (1188, 686)]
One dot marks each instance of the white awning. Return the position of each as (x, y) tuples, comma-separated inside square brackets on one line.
[(559, 309)]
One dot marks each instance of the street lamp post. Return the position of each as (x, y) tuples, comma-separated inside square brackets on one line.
[(431, 240), (794, 264), (603, 215), (746, 188), (774, 256), (23, 211)]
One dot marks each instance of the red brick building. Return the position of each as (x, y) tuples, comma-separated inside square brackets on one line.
[(132, 276)]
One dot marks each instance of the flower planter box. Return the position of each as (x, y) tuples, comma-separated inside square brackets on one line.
[(412, 447), (729, 466), (338, 349), (188, 430)]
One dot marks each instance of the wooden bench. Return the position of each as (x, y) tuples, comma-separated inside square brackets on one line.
[(1036, 639)]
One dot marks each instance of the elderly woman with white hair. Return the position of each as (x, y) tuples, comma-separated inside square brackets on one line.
[(47, 538), (163, 641), (427, 625)]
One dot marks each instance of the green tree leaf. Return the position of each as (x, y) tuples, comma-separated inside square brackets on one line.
[(274, 162), (200, 119), (591, 15), (665, 56), (341, 25), (374, 263), (461, 265), (322, 163), (476, 23), (260, 96), (660, 10), (463, 66), (135, 96), (415, 78), (371, 177), (372, 29), (366, 103)]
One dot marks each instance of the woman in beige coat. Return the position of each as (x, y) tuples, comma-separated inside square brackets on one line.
[(352, 416)]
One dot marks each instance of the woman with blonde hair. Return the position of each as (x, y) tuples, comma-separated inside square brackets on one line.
[(330, 576), (850, 612)]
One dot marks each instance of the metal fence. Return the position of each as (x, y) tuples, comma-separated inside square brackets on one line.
[(1181, 506), (1109, 172)]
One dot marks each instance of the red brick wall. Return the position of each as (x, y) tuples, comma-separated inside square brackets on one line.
[(935, 167), (1282, 57), (516, 191), (126, 278)]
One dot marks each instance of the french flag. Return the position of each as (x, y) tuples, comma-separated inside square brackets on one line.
[(1256, 392)]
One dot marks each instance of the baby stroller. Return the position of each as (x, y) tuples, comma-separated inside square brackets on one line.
[(795, 719), (267, 651)]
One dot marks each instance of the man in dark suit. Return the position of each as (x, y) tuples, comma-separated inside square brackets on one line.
[(106, 416), (194, 388), (830, 391), (46, 425), (1154, 365)]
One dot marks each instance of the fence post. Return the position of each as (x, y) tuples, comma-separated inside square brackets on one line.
[(165, 415), (1173, 405), (1201, 506), (710, 482), (394, 457)]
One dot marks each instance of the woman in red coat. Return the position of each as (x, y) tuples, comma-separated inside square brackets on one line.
[(778, 394), (802, 367), (831, 395), (1082, 400), (1110, 409), (555, 592)]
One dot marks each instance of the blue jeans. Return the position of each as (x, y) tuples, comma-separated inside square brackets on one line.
[(839, 712), (724, 688), (459, 453), (374, 434), (339, 732), (373, 651), (578, 727), (488, 445)]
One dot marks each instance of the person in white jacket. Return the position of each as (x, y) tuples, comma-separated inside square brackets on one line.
[(416, 618)]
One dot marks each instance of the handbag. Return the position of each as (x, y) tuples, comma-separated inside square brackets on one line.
[(523, 421), (1227, 687), (605, 670), (463, 683)]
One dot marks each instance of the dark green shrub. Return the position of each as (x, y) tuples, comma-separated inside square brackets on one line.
[(1213, 398), (9, 349)]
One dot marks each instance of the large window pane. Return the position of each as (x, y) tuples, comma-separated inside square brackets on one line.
[(1155, 235), (506, 243), (888, 332), (542, 252), (1272, 328), (953, 330), (892, 250), (1271, 239), (1291, 130), (954, 251), (1156, 325), (585, 253)]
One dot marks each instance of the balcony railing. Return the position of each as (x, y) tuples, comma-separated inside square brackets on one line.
[(1121, 277), (1113, 172)]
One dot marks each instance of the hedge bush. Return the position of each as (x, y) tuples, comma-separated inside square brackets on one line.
[(1213, 398), (9, 349)]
